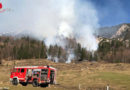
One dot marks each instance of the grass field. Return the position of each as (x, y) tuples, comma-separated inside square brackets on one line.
[(83, 76)]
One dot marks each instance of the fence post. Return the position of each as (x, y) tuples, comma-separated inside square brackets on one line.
[(107, 86), (79, 86)]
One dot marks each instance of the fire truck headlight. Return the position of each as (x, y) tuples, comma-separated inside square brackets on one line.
[(11, 79)]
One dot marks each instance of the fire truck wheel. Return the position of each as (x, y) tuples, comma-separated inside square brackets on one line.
[(15, 81), (35, 83), (24, 84)]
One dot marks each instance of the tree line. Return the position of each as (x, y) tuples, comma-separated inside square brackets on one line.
[(109, 50), (114, 50), (21, 48)]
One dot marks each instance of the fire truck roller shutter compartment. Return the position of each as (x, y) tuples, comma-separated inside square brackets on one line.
[(44, 74)]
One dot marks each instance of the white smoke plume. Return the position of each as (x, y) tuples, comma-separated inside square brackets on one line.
[(52, 20), (78, 20)]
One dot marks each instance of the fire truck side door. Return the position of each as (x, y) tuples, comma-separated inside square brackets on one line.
[(19, 73), (23, 73)]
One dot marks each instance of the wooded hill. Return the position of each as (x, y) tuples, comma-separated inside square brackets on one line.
[(21, 48), (109, 50)]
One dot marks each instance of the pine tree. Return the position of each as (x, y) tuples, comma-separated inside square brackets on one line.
[(78, 51), (83, 54), (43, 51)]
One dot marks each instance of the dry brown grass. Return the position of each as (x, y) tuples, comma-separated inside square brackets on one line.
[(87, 75)]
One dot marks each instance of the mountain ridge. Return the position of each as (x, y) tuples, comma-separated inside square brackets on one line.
[(118, 31)]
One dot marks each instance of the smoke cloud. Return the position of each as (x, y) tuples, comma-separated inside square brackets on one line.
[(52, 20)]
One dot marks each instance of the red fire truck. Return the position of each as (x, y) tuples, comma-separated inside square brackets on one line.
[(36, 75)]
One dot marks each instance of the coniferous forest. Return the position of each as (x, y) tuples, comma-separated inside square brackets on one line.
[(109, 50)]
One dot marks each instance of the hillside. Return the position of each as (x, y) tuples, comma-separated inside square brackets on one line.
[(74, 76), (111, 50), (114, 46), (119, 31), (108, 32), (123, 32)]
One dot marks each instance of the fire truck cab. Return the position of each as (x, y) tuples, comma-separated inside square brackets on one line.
[(36, 75)]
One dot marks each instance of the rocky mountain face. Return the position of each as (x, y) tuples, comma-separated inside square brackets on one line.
[(121, 31), (108, 32)]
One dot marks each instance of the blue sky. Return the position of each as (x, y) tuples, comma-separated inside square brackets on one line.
[(112, 12)]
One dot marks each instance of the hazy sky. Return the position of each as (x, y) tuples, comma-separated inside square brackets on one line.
[(110, 12), (50, 19), (54, 20)]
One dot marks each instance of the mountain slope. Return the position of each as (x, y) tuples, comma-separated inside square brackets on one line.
[(108, 32), (119, 31), (123, 32)]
